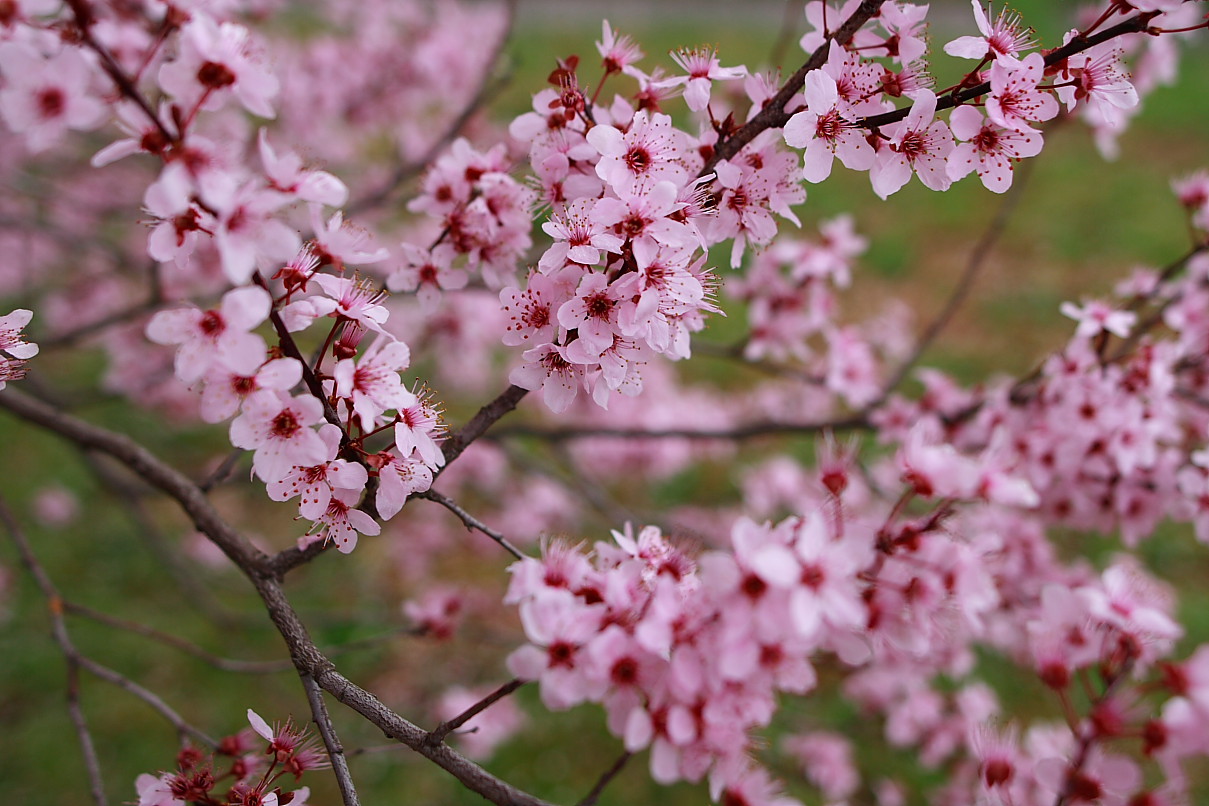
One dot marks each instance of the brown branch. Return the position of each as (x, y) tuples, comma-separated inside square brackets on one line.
[(263, 575), (471, 522), (151, 698), (773, 115), (335, 750), (458, 441), (762, 428), (70, 654), (1133, 25), (606, 777), (439, 733)]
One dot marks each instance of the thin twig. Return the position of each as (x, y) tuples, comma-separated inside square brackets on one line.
[(458, 441), (335, 750), (606, 777), (471, 522), (762, 428), (176, 642), (70, 654), (262, 573), (150, 697), (439, 733), (974, 263), (223, 471), (487, 88)]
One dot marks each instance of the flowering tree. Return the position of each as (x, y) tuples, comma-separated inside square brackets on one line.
[(294, 165)]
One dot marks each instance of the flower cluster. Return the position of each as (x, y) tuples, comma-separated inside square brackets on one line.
[(253, 775)]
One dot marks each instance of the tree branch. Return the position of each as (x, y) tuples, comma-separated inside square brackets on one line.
[(439, 733), (335, 750)]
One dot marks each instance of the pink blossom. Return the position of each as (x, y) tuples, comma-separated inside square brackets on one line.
[(350, 298), (436, 613), (824, 133), (342, 522), (339, 243), (617, 52), (578, 237), (278, 428), (1096, 317), (547, 368), (286, 174), (316, 484), (703, 69), (224, 389), (531, 313), (1015, 101), (417, 427), (1000, 40), (214, 58), (397, 479), (921, 144), (651, 150), (991, 150), (218, 336), (372, 382), (427, 272), (247, 234), (44, 97)]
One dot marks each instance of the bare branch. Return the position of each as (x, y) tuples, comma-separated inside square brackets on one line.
[(607, 776), (458, 441), (439, 733), (70, 654), (471, 522), (150, 697), (263, 574), (335, 750)]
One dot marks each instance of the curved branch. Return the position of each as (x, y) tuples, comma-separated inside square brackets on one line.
[(263, 574)]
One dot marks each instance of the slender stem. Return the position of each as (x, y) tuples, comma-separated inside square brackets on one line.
[(335, 750), (471, 522), (439, 733), (70, 654), (150, 697), (606, 777)]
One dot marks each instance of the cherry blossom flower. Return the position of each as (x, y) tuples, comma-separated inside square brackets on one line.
[(247, 234), (316, 484), (418, 425), (651, 150), (824, 133), (216, 336), (224, 389), (338, 243), (531, 313), (350, 298), (1001, 40), (341, 523), (1095, 78), (1015, 101), (44, 97), (1096, 317), (372, 382), (427, 272), (703, 69), (14, 349), (286, 174), (397, 479), (921, 144), (214, 58), (617, 52), (547, 368), (278, 428), (989, 149)]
